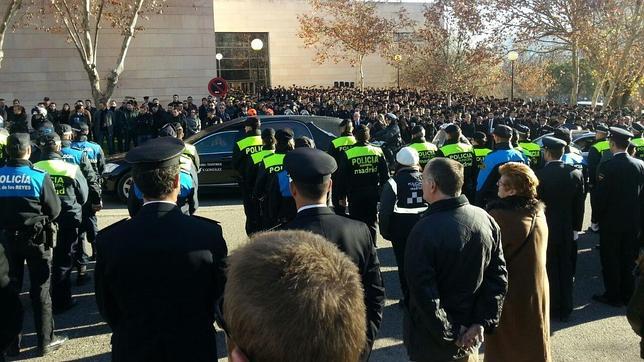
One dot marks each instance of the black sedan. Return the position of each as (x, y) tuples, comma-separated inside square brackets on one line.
[(215, 144)]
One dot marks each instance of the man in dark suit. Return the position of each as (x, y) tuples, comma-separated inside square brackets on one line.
[(561, 188), (160, 274), (310, 171), (617, 208)]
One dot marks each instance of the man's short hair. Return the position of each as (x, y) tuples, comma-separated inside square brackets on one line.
[(447, 174), (156, 183), (293, 296), (312, 191)]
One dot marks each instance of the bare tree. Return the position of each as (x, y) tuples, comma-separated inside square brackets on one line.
[(348, 31), (82, 21), (10, 12)]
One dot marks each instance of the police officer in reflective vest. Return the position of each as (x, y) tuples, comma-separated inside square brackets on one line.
[(595, 154), (336, 150), (249, 144), (486, 187), (79, 157), (28, 202), (456, 149), (531, 150), (363, 171), (401, 205), (252, 167), (89, 226), (637, 141), (72, 189), (272, 184), (426, 151), (479, 142)]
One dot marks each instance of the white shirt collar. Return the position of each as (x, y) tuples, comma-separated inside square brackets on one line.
[(313, 206), (159, 202), (617, 153)]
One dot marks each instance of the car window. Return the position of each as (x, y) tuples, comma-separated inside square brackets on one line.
[(299, 129), (585, 143), (220, 142)]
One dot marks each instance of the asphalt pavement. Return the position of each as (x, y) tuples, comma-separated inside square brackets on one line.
[(595, 332)]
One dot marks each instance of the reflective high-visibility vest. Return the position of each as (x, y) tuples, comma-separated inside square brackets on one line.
[(259, 156), (532, 151), (460, 152), (426, 151), (274, 163), (364, 159), (639, 147), (480, 154), (601, 146), (250, 144), (343, 143)]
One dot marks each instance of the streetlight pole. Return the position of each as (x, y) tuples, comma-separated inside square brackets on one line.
[(398, 58), (219, 57), (257, 45), (512, 56)]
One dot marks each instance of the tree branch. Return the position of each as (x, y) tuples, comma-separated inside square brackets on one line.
[(97, 29), (69, 27), (13, 7)]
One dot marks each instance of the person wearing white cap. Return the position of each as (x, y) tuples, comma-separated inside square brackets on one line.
[(401, 205)]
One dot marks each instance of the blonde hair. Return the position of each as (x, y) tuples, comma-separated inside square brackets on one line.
[(294, 296), (520, 178)]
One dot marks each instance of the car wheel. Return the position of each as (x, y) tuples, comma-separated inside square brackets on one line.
[(124, 186)]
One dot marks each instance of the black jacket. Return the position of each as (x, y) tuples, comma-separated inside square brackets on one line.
[(354, 239), (561, 188), (158, 278), (619, 184), (401, 204), (10, 307), (457, 277)]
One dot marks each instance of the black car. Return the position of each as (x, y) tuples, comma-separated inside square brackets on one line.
[(215, 144), (582, 140)]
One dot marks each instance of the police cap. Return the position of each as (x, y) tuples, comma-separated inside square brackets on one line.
[(252, 122), (617, 132), (452, 128), (550, 142), (156, 153), (84, 128), (284, 135), (345, 122), (48, 139), (168, 131), (638, 127), (18, 141), (522, 129), (407, 156), (601, 128), (309, 165), (268, 132), (563, 134), (65, 129), (417, 129), (502, 131), (480, 137)]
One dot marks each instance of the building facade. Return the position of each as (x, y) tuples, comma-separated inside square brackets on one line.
[(176, 54)]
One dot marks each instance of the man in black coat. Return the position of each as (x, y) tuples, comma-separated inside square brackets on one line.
[(160, 274), (561, 188), (455, 271), (310, 170), (617, 208)]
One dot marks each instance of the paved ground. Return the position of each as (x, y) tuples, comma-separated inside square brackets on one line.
[(595, 333)]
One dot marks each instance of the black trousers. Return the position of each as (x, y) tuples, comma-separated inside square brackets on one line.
[(251, 210), (88, 230), (38, 260), (364, 207), (618, 251), (399, 252), (62, 264), (335, 200), (560, 277)]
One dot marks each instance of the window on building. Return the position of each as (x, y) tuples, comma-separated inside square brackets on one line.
[(243, 67)]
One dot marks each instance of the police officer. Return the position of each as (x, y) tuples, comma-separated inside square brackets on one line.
[(401, 205), (637, 141), (178, 259), (561, 188), (187, 200), (79, 157), (254, 163), (89, 226), (617, 208), (595, 155), (345, 141), (28, 202), (71, 187), (479, 142), (531, 150), (426, 151), (363, 171), (486, 187), (456, 149), (249, 144), (271, 187)]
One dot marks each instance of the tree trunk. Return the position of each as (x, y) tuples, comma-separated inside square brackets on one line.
[(361, 70), (11, 10), (575, 74), (598, 89)]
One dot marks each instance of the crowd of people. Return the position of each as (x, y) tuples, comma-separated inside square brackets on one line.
[(483, 221)]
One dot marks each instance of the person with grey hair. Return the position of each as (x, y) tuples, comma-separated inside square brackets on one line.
[(455, 271)]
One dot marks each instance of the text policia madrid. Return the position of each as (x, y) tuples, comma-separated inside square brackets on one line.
[(366, 164)]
